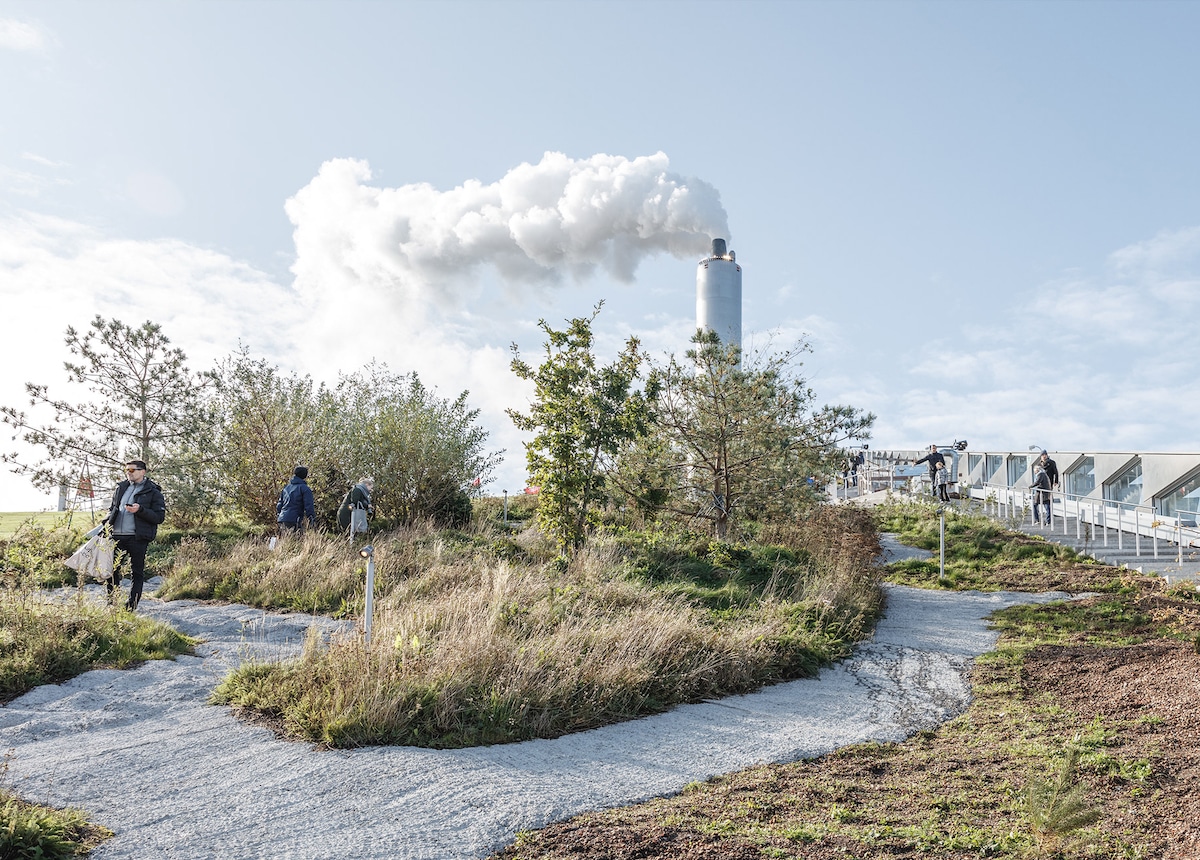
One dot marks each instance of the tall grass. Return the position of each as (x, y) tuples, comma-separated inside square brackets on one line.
[(481, 639)]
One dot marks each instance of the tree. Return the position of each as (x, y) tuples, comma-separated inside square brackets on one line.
[(733, 441), (271, 423), (146, 405), (581, 414), (424, 451)]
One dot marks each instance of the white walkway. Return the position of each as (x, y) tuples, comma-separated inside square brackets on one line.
[(177, 778)]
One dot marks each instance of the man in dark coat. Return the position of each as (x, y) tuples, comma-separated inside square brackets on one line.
[(295, 503), (1050, 467), (136, 511), (932, 458)]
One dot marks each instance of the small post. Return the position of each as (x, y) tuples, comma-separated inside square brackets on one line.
[(942, 543), (368, 552), (506, 507)]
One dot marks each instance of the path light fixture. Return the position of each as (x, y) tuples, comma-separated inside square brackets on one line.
[(942, 542), (368, 552)]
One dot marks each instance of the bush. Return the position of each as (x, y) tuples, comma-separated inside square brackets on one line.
[(33, 556)]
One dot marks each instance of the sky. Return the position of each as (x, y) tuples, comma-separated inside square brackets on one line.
[(983, 217)]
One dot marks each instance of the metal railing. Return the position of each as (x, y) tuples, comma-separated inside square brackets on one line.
[(1097, 521)]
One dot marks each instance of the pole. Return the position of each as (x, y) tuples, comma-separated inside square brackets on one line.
[(942, 543), (368, 552), (506, 507)]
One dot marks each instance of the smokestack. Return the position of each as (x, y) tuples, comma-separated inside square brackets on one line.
[(719, 294)]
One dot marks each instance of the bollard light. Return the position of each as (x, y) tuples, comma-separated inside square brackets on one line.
[(368, 552)]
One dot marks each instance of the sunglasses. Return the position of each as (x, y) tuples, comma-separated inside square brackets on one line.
[(131, 471)]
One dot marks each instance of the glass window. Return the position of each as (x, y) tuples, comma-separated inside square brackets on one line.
[(1018, 465), (995, 462), (1184, 501), (1082, 479), (1127, 488), (973, 461)]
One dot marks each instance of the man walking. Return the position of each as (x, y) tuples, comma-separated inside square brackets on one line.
[(295, 504), (137, 510)]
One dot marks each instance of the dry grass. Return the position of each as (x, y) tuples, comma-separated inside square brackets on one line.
[(481, 639)]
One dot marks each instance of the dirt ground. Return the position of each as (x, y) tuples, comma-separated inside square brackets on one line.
[(1147, 699)]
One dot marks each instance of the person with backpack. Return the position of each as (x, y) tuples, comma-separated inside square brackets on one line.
[(295, 504)]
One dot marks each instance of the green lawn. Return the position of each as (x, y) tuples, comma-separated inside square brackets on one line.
[(10, 522)]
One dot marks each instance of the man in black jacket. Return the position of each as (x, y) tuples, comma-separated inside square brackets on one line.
[(932, 458), (137, 509)]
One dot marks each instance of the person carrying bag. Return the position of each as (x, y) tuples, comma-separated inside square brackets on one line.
[(356, 507)]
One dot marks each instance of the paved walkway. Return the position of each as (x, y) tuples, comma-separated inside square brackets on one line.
[(175, 777)]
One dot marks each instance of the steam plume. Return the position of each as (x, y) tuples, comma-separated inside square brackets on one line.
[(538, 224)]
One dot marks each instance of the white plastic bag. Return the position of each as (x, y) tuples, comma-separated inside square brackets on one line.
[(94, 558)]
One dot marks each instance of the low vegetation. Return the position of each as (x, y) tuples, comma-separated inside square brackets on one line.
[(982, 554), (28, 830), (46, 643), (485, 637), (1051, 760)]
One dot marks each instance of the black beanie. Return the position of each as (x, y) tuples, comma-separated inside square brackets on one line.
[(301, 472)]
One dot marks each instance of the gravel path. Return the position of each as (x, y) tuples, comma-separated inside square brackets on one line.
[(177, 778)]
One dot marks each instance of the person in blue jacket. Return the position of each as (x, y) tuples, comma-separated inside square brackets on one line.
[(295, 505)]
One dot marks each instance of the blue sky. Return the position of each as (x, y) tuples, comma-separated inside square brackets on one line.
[(984, 216)]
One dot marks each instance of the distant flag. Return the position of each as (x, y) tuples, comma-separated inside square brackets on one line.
[(532, 491)]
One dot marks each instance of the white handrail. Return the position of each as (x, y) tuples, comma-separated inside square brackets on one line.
[(1136, 519)]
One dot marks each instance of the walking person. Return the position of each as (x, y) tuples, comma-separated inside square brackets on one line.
[(137, 510), (1041, 495), (358, 499), (295, 505), (933, 458), (941, 481)]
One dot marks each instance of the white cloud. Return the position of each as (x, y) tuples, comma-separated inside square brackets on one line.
[(1101, 362), (42, 160), (23, 36)]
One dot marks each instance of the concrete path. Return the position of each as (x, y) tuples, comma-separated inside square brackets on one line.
[(174, 777)]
